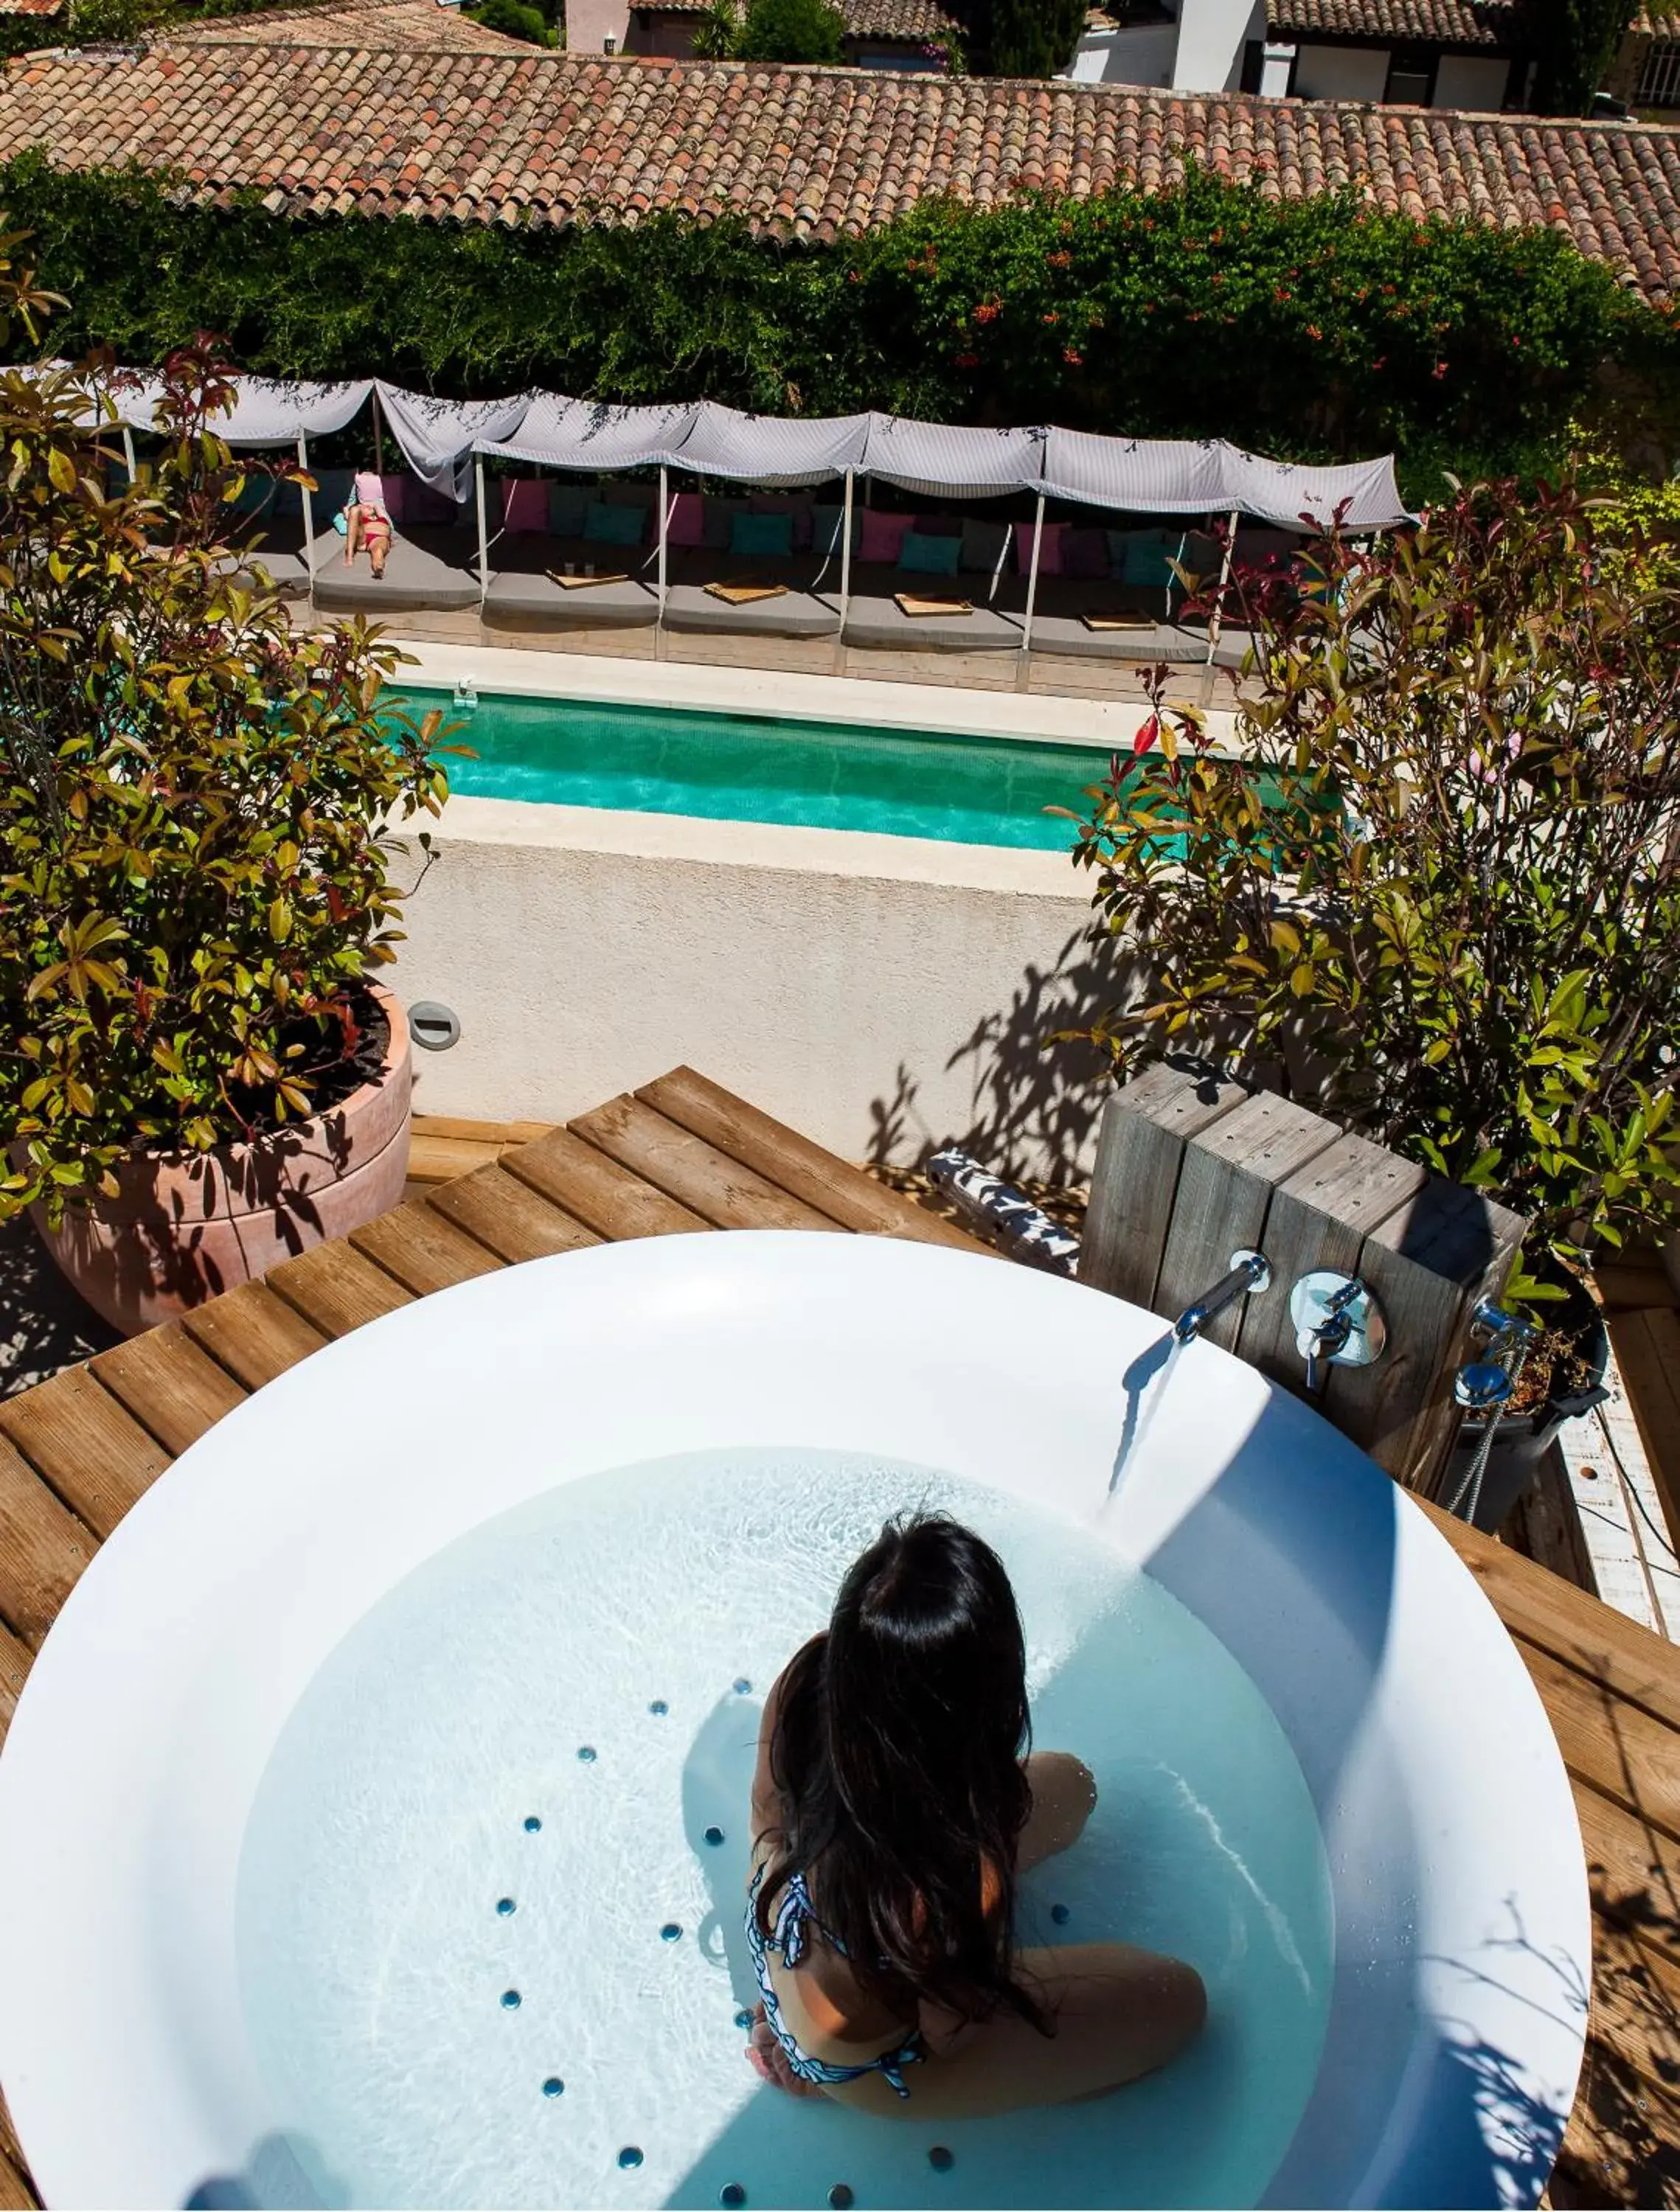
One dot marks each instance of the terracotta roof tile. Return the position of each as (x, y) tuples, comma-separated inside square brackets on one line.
[(910, 21), (1501, 23), (366, 25), (521, 136)]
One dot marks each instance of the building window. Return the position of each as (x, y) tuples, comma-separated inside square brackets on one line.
[(1660, 79), (1411, 78)]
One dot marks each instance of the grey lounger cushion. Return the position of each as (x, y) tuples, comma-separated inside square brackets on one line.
[(412, 578), (792, 614), (883, 624), (528, 596)]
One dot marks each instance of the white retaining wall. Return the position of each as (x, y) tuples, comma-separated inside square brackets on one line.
[(880, 993)]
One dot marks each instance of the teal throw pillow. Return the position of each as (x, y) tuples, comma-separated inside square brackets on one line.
[(762, 537), (568, 509), (929, 556), (613, 526)]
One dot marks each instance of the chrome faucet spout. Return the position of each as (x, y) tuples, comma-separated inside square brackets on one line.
[(1250, 1271)]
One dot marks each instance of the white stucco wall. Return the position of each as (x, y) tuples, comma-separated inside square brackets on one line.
[(1342, 72), (1211, 37), (1473, 81), (878, 993), (1138, 53)]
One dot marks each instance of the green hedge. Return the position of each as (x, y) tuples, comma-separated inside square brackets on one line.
[(1313, 330)]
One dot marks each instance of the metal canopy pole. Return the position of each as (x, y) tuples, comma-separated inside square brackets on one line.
[(308, 517), (1224, 579), (128, 450), (664, 527), (1032, 576), (846, 553), (483, 531)]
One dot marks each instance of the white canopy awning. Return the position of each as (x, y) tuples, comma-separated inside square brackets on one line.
[(772, 449), (1163, 476), (1144, 475), (267, 410), (1360, 494), (941, 457), (437, 437), (1148, 475), (585, 434)]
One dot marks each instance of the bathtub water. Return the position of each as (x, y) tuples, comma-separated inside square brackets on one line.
[(269, 1777), (393, 1896)]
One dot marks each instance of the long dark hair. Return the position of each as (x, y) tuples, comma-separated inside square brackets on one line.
[(897, 1754)]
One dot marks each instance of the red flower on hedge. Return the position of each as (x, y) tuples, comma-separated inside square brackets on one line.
[(1439, 370), (1062, 260), (1052, 317), (1314, 333), (987, 310), (968, 360), (1073, 360)]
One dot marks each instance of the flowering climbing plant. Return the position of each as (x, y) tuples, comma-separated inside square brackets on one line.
[(1433, 886)]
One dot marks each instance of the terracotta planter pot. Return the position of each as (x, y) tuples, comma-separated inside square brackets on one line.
[(186, 1226)]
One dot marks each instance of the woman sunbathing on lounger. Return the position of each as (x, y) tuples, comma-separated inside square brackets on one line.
[(367, 522)]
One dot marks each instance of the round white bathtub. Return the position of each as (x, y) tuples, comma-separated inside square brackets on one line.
[(1461, 1930)]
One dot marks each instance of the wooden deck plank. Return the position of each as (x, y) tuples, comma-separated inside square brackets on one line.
[(507, 1217), (596, 1191), (452, 1128), (1647, 1351), (169, 1384), (1636, 2005), (793, 1162), (14, 1667), (424, 1251), (336, 1289), (725, 1193), (16, 2194), (92, 1450), (253, 1334), (1617, 1746), (43, 1548), (1633, 1870), (1565, 1621)]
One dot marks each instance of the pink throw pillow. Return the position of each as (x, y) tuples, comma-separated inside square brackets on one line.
[(525, 504), (688, 520), (1049, 550), (883, 536)]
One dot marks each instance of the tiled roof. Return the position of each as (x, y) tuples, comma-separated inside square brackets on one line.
[(807, 154), (30, 7), (907, 20), (1659, 23), (371, 26), (1427, 22)]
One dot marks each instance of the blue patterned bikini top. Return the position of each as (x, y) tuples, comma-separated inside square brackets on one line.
[(789, 1939)]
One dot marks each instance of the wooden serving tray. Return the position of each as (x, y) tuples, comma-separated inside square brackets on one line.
[(745, 595), (583, 583), (908, 604)]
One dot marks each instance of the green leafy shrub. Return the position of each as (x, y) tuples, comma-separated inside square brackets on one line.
[(1311, 330), (192, 862), (715, 31), (1436, 892), (790, 31), (514, 19), (1022, 37)]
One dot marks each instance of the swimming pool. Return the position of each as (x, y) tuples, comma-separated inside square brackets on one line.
[(751, 767)]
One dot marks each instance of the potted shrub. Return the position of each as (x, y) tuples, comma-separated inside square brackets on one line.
[(198, 1073), (1435, 893)]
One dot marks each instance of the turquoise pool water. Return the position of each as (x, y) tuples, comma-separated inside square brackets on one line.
[(490, 1909), (742, 767)]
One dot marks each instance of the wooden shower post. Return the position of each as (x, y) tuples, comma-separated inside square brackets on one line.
[(1192, 1166)]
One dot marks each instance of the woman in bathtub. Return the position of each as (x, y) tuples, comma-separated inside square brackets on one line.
[(892, 1812)]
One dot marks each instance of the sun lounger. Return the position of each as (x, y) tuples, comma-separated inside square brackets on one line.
[(693, 608), (879, 623), (414, 577), (1143, 643)]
